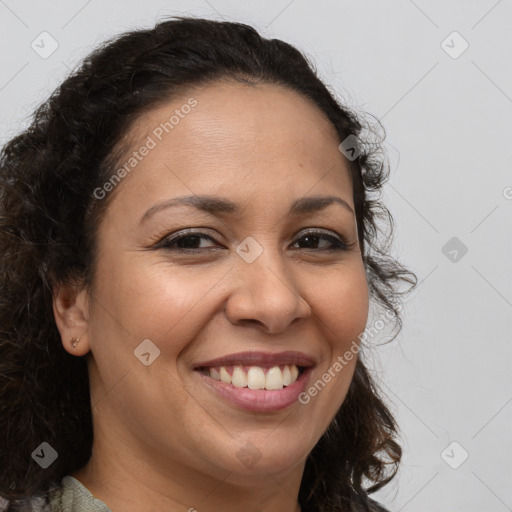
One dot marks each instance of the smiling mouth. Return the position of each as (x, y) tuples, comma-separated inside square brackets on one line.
[(255, 377)]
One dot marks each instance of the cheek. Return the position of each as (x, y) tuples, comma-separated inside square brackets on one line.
[(159, 301), (342, 304), (170, 304)]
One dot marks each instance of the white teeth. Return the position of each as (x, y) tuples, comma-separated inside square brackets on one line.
[(256, 378), (294, 373), (239, 379), (224, 375), (214, 373), (274, 378), (287, 376)]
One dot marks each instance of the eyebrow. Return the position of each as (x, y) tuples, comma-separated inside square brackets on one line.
[(219, 205)]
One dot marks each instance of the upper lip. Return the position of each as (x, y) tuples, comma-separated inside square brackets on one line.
[(260, 359)]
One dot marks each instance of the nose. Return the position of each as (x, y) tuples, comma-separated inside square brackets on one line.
[(265, 293)]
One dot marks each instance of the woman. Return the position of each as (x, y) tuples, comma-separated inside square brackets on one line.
[(189, 248)]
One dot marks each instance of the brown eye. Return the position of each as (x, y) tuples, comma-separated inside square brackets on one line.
[(313, 238), (187, 241), (191, 241)]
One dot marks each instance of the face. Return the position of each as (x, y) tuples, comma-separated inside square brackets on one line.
[(245, 282)]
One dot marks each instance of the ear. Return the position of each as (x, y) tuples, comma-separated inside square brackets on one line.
[(71, 312)]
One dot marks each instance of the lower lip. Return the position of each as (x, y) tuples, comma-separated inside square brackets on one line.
[(260, 400)]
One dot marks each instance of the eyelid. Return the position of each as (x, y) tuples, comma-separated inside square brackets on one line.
[(319, 230), (188, 231), (342, 240), (182, 233)]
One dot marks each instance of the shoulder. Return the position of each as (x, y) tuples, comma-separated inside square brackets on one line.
[(37, 503), (80, 498), (68, 496)]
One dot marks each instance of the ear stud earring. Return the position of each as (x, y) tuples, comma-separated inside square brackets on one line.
[(74, 342)]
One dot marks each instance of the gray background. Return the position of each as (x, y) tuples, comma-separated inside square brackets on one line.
[(449, 139)]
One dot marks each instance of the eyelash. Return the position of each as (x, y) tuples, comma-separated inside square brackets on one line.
[(338, 243)]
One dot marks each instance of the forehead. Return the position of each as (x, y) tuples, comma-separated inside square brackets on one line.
[(262, 138), (230, 101)]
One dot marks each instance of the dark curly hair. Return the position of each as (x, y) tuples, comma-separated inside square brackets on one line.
[(48, 226)]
